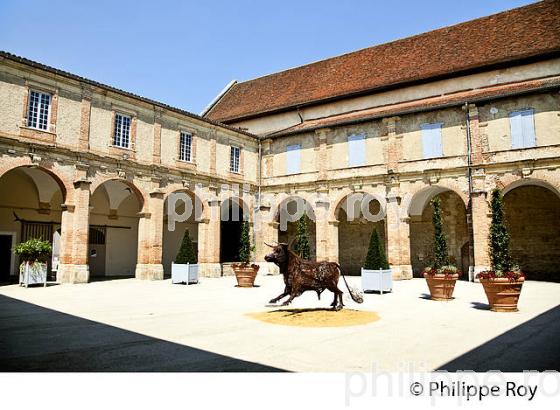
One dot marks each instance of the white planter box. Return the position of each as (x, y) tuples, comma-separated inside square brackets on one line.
[(377, 280), (33, 273), (184, 273)]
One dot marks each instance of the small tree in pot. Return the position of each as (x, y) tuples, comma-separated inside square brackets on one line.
[(376, 273), (245, 272), (442, 275), (34, 254), (185, 267), (502, 284), (301, 245)]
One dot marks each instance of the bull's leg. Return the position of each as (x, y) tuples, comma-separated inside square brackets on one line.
[(337, 294), (280, 296), (293, 294), (333, 304)]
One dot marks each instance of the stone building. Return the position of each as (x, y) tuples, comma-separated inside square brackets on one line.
[(454, 112)]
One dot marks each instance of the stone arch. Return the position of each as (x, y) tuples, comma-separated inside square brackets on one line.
[(456, 229), (354, 229), (173, 233), (35, 212), (532, 212), (116, 207)]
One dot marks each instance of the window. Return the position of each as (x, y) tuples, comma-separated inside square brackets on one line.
[(185, 146), (234, 159), (522, 129), (293, 159), (431, 140), (38, 110), (356, 150), (121, 137)]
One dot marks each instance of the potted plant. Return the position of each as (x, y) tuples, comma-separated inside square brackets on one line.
[(376, 273), (34, 254), (185, 267), (442, 275), (245, 272), (503, 282)]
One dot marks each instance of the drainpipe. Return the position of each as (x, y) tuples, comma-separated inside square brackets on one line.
[(469, 148)]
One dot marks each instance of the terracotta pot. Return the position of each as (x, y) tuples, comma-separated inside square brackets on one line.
[(441, 286), (245, 274), (502, 293)]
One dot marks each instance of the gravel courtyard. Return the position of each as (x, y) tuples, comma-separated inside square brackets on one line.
[(132, 325)]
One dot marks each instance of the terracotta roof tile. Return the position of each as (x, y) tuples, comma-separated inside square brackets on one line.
[(513, 35)]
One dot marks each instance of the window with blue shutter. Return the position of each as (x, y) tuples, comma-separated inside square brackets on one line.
[(431, 140), (293, 159), (522, 128), (356, 150)]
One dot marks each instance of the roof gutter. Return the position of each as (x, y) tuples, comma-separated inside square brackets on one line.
[(217, 98)]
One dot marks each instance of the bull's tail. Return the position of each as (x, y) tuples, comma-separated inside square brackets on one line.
[(356, 295)]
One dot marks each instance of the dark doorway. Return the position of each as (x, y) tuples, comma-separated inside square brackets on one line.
[(230, 231), (5, 257)]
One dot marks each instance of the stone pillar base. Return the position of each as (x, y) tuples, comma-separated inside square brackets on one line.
[(475, 270), (209, 270), (149, 271), (402, 272), (268, 268), (68, 273)]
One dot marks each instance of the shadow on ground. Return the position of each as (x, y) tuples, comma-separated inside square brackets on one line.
[(533, 345), (33, 338)]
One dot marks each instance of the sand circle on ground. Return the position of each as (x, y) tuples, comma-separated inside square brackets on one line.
[(316, 317)]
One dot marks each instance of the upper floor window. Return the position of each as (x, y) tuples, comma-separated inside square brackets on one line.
[(356, 150), (185, 147), (522, 129), (293, 159), (235, 155), (121, 137), (39, 110), (432, 146)]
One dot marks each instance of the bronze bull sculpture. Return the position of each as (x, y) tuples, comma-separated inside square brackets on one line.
[(301, 275)]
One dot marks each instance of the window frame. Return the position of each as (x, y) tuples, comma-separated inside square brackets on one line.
[(116, 124), (232, 158), (521, 113), (429, 126), (41, 94), (361, 137), (297, 167), (189, 146)]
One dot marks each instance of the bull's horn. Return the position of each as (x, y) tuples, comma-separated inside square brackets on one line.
[(268, 245)]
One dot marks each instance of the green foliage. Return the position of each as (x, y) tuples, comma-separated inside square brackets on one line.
[(245, 248), (34, 250), (301, 245), (500, 258), (376, 258), (441, 255), (186, 252)]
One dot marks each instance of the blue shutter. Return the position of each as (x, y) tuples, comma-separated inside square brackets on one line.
[(515, 125), (528, 128), (431, 140), (356, 150), (293, 159)]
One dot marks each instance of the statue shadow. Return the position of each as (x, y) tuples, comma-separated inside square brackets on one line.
[(296, 311)]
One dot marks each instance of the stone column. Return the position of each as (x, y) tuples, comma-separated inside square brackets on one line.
[(322, 157), (73, 267), (393, 144), (85, 116), (209, 242), (323, 239), (480, 218), (150, 239), (398, 237), (266, 230), (332, 251)]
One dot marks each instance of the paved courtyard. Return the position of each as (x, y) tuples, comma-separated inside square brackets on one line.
[(131, 325)]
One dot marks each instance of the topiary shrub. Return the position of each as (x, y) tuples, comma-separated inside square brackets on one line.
[(501, 263), (245, 248), (301, 245), (186, 253), (375, 258), (33, 250), (442, 262)]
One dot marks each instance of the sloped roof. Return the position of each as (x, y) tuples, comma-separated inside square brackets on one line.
[(514, 35)]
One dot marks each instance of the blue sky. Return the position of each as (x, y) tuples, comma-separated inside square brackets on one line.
[(184, 52)]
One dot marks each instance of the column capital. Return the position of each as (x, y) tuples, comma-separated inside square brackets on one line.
[(82, 183)]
